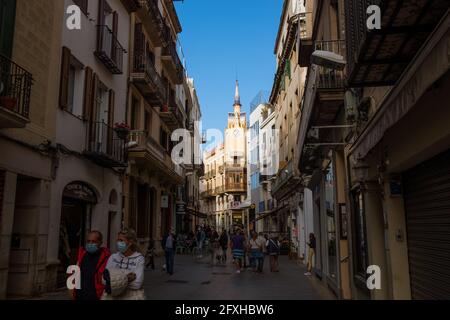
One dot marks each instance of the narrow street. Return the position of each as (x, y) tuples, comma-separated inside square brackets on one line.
[(197, 280)]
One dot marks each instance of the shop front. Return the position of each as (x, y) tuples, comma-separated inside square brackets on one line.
[(76, 218)]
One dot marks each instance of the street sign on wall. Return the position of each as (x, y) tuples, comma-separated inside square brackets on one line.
[(164, 202)]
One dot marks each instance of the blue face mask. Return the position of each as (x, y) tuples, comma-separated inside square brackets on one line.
[(91, 247), (122, 246)]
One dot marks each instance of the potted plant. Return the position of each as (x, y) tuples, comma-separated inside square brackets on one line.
[(165, 108), (122, 130), (8, 102)]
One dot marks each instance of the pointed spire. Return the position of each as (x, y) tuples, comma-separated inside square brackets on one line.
[(237, 96)]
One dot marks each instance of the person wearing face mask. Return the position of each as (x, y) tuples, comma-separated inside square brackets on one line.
[(130, 262), (92, 261)]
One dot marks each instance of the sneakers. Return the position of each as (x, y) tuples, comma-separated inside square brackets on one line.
[(307, 273), (238, 271)]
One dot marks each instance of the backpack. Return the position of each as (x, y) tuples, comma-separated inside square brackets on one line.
[(273, 247)]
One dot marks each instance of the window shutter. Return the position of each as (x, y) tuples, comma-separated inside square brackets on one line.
[(101, 23), (139, 45), (111, 121), (88, 94), (92, 115), (115, 28), (64, 82)]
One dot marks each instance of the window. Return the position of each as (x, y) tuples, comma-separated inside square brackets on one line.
[(360, 261), (164, 139), (134, 114), (7, 23), (147, 121), (71, 84)]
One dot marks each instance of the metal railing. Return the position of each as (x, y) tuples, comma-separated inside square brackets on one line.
[(15, 87), (330, 78), (109, 49), (143, 64), (234, 186), (104, 144), (356, 28), (171, 50), (156, 17), (285, 174)]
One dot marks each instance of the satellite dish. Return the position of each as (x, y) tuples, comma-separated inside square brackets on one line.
[(328, 59)]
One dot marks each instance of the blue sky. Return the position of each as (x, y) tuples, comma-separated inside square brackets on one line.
[(221, 38)]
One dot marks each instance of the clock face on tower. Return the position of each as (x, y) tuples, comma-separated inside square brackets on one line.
[(237, 133)]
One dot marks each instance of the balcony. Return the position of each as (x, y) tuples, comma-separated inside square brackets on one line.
[(207, 194), (378, 57), (286, 179), (172, 63), (235, 167), (220, 190), (148, 153), (15, 91), (235, 187), (171, 115), (104, 147), (131, 5), (304, 38), (148, 80), (153, 21), (109, 50), (264, 179)]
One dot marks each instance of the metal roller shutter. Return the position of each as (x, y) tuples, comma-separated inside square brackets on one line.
[(427, 204)]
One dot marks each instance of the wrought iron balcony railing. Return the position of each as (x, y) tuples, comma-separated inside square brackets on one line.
[(109, 50), (15, 87), (160, 32), (330, 78), (144, 65), (104, 146)]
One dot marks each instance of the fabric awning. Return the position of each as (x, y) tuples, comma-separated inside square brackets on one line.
[(430, 64), (196, 213), (265, 214)]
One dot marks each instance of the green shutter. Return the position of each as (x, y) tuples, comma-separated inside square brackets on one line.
[(287, 69), (7, 20)]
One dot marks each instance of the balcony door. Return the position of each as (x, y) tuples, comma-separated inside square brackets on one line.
[(7, 22)]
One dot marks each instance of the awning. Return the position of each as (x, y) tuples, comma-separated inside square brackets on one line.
[(196, 213), (266, 214), (429, 65)]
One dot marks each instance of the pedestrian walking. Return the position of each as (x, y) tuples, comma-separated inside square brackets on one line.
[(238, 248), (256, 247), (214, 245), (200, 237), (223, 240), (92, 261), (263, 239), (150, 255), (273, 249), (311, 253), (124, 274), (169, 244)]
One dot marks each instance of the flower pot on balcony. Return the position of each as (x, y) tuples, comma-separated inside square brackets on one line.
[(165, 108), (8, 102), (122, 133)]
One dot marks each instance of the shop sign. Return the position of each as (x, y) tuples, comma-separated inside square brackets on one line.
[(80, 191), (165, 202), (181, 208)]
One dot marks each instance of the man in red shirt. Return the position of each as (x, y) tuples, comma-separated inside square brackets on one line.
[(92, 261)]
